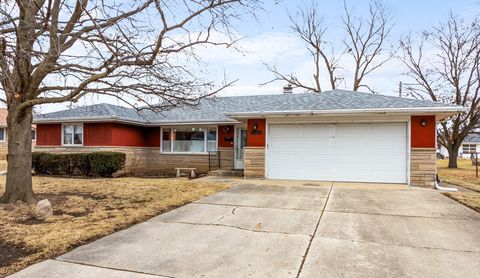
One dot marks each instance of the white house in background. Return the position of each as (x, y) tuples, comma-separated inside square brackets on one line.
[(470, 145)]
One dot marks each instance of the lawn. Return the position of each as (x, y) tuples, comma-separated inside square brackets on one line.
[(463, 176), (84, 210)]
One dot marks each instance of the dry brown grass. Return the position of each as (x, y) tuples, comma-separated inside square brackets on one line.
[(463, 176), (469, 199), (84, 210)]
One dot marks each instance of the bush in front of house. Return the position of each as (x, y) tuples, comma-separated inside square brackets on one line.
[(105, 164), (102, 164)]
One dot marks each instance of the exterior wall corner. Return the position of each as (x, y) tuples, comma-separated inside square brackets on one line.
[(254, 163), (423, 167)]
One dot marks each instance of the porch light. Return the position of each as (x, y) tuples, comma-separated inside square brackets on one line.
[(423, 122)]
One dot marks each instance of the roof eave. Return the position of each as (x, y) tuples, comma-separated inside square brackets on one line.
[(444, 111), (126, 121)]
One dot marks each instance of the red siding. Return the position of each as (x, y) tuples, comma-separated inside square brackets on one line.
[(49, 134), (423, 136), (225, 136), (103, 134), (152, 136), (256, 138), (127, 135), (97, 134)]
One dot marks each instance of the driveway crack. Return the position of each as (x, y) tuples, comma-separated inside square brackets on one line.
[(232, 226), (315, 231), (112, 268), (403, 245)]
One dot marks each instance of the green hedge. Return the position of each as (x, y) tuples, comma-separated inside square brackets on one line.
[(102, 164)]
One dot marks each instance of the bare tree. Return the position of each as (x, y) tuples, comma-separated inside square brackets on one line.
[(444, 65), (364, 42), (54, 51)]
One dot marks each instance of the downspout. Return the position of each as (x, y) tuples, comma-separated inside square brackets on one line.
[(439, 187)]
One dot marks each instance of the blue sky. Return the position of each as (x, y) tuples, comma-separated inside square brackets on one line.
[(269, 39)]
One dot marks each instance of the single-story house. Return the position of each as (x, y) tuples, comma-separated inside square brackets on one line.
[(334, 136), (469, 146), (4, 134)]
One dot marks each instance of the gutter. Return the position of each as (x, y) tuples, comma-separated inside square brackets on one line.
[(454, 109), (126, 121)]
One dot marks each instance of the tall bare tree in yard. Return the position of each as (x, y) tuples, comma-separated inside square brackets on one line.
[(54, 51), (364, 47), (444, 63)]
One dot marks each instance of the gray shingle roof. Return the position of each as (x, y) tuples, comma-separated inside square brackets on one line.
[(216, 109), (472, 138)]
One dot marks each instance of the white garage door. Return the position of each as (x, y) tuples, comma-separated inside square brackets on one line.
[(338, 152)]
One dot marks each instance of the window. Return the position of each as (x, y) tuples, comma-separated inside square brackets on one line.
[(469, 148), (211, 139), (2, 134), (34, 135), (166, 140), (72, 134), (189, 139)]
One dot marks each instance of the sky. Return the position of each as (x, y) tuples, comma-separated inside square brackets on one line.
[(268, 38)]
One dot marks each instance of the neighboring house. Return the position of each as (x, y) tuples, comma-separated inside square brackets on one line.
[(469, 146), (4, 137), (334, 136)]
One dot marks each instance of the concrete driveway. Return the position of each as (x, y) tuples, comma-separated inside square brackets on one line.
[(289, 229)]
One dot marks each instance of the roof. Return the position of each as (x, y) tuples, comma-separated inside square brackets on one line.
[(472, 138), (227, 109)]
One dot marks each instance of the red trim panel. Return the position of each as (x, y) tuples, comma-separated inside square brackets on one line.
[(225, 136), (256, 133), (423, 136)]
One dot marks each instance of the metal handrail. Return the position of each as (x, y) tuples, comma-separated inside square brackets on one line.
[(210, 155)]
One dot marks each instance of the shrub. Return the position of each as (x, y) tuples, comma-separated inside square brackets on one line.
[(105, 164), (80, 162), (46, 163), (64, 164), (102, 164)]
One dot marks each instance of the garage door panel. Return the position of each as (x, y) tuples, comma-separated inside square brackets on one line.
[(285, 131), (295, 144), (338, 152)]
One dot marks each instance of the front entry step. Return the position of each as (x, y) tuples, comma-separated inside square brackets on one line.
[(226, 173)]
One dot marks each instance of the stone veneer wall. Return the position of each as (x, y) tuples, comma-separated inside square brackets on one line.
[(226, 158), (422, 167), (254, 162)]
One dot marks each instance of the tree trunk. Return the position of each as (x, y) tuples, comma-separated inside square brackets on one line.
[(452, 156), (19, 172)]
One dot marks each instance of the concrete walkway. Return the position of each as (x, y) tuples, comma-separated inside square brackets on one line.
[(289, 229)]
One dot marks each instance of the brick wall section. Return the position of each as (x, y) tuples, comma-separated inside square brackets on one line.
[(254, 162), (422, 167), (226, 158)]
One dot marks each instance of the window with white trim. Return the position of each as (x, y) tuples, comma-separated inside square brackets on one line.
[(469, 148), (2, 134), (34, 135), (189, 139), (72, 134)]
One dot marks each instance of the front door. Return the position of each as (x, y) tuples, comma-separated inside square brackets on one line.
[(240, 142)]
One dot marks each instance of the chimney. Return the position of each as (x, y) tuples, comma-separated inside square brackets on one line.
[(288, 89)]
